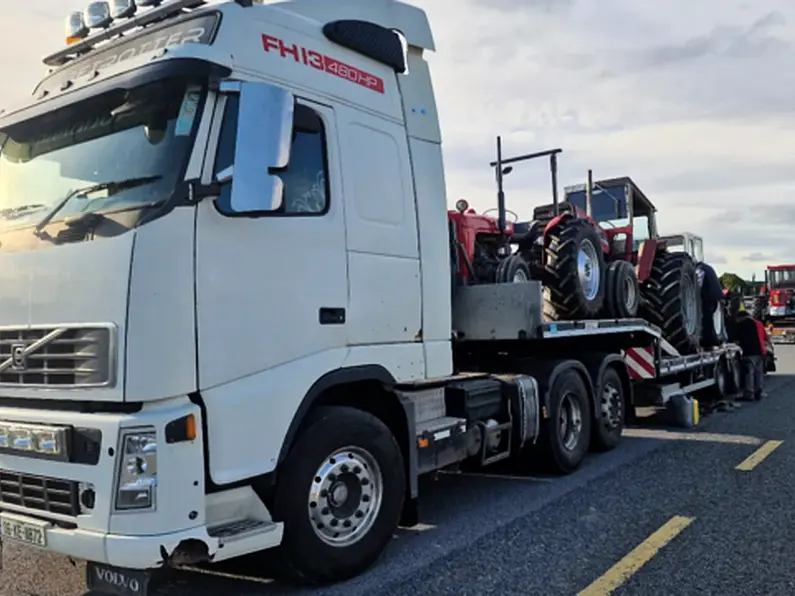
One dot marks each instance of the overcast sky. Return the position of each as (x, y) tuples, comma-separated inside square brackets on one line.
[(695, 100)]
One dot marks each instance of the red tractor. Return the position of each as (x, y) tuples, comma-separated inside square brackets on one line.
[(776, 302), (597, 255)]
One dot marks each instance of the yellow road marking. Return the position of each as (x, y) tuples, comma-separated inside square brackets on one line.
[(640, 555), (647, 433), (758, 456)]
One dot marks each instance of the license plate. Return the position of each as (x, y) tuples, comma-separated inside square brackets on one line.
[(22, 531), (107, 579)]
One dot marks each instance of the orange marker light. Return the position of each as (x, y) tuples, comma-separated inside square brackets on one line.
[(190, 427)]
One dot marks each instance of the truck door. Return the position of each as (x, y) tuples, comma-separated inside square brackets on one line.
[(272, 288)]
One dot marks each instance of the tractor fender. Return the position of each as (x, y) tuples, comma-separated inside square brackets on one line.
[(646, 254)]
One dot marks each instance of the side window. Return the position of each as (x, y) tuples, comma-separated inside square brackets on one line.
[(306, 190)]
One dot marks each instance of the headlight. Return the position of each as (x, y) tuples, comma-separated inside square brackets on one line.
[(137, 482), (20, 438)]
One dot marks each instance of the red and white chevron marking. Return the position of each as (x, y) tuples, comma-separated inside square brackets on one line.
[(640, 363)]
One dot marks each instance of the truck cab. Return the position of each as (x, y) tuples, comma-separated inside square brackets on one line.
[(186, 270)]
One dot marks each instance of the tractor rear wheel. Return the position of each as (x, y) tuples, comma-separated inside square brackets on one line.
[(574, 271), (673, 301)]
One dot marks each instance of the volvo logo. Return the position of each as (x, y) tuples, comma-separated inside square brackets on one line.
[(19, 357)]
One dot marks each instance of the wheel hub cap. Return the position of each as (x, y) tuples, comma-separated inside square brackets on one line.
[(570, 422), (588, 270), (345, 496)]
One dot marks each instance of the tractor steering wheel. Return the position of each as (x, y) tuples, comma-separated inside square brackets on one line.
[(507, 211)]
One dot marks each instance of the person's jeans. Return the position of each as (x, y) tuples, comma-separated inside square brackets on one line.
[(754, 373)]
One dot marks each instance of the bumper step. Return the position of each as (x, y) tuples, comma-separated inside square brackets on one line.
[(245, 536)]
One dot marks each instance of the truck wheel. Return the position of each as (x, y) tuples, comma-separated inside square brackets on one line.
[(609, 424), (622, 292), (672, 300), (566, 434), (340, 494), (574, 271), (511, 270), (720, 389), (734, 375)]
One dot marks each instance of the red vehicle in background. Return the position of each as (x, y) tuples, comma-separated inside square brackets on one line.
[(775, 305)]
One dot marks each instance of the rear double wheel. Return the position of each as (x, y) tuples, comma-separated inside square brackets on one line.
[(566, 435), (610, 411)]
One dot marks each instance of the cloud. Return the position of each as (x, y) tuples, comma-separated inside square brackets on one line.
[(758, 257), (693, 100)]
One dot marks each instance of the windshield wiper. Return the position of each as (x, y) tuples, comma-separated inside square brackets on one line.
[(111, 187)]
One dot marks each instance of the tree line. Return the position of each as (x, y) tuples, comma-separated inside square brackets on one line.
[(735, 283)]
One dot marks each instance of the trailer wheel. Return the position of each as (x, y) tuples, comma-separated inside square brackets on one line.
[(574, 271), (720, 389), (512, 269), (610, 417), (672, 300), (566, 434), (734, 374), (622, 292), (340, 495)]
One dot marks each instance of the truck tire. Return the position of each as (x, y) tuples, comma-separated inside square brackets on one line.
[(574, 271), (610, 412), (340, 494), (672, 300), (622, 292), (566, 434), (734, 370), (512, 269)]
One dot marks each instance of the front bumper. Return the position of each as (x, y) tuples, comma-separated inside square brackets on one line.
[(132, 552), (93, 529)]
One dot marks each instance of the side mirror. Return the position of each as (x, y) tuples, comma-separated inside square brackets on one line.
[(262, 146)]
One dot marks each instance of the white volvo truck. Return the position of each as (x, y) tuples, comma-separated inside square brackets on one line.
[(227, 322)]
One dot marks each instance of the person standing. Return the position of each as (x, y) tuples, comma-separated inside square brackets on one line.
[(746, 331), (759, 363)]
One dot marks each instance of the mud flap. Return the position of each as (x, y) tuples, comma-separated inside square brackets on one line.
[(115, 581)]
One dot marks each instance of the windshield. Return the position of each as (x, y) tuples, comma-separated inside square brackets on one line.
[(609, 208), (782, 277), (144, 133)]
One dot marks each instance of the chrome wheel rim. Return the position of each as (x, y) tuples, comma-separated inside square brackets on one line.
[(588, 270), (345, 496), (570, 422)]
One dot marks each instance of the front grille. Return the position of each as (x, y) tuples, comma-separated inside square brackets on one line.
[(66, 356), (37, 493)]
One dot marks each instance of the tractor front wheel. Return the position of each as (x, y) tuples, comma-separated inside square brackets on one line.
[(574, 271)]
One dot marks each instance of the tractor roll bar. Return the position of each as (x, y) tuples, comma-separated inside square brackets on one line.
[(501, 171)]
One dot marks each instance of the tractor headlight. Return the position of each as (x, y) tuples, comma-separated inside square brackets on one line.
[(137, 481)]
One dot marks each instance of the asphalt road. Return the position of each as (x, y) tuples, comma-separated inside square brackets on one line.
[(668, 512)]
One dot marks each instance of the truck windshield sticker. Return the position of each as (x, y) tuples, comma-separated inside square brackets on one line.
[(199, 30), (187, 113), (322, 62)]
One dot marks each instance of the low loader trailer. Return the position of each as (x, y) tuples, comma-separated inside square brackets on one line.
[(236, 313)]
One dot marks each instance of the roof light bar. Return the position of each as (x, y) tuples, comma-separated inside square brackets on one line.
[(80, 44)]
